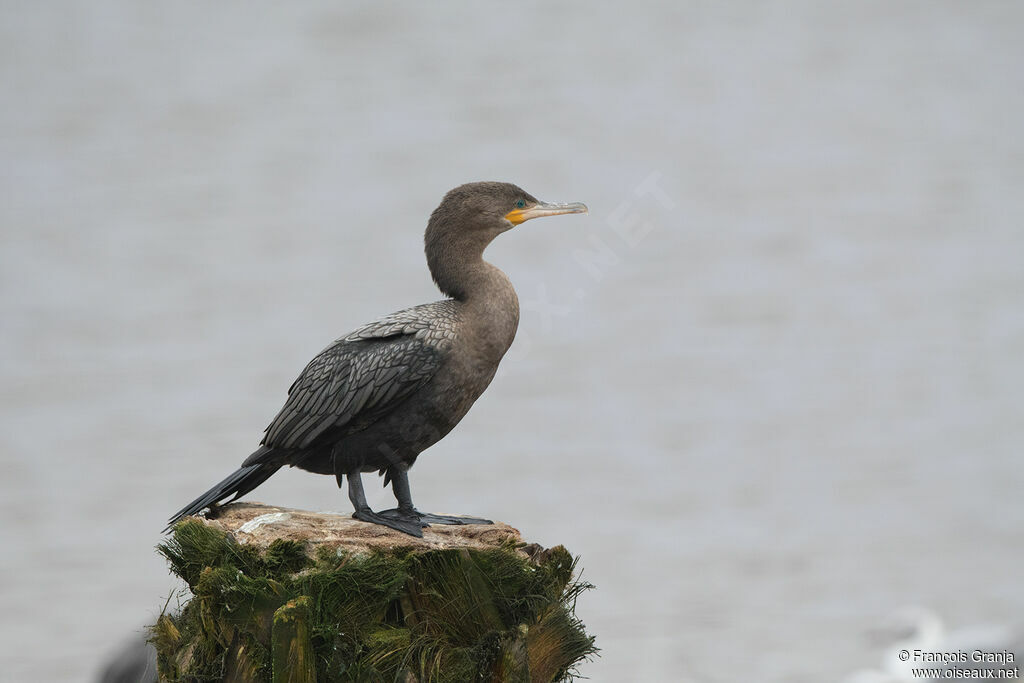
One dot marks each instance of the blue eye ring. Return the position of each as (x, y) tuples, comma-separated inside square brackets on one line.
[(520, 203)]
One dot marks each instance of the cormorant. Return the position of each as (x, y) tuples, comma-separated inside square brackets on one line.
[(376, 398)]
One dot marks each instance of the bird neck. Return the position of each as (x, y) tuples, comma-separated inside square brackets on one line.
[(470, 281), (457, 265), (456, 262), (474, 281)]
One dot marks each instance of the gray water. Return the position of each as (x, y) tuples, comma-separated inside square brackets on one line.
[(769, 390)]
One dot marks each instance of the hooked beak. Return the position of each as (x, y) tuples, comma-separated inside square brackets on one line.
[(517, 216)]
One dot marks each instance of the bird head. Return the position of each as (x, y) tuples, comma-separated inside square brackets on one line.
[(469, 218), (491, 208)]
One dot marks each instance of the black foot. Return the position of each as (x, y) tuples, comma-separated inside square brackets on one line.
[(425, 518), (406, 526), (452, 519)]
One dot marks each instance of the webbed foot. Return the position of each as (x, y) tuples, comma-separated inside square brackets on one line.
[(452, 519), (426, 518), (405, 525)]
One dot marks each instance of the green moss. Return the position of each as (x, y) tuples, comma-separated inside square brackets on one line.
[(443, 615)]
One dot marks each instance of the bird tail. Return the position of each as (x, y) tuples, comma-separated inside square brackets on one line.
[(238, 483)]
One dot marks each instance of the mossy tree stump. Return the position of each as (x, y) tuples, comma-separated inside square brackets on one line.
[(288, 595)]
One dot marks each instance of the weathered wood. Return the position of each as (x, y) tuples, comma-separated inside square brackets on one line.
[(260, 525)]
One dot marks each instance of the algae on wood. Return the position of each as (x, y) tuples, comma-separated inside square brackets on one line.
[(292, 650), (287, 595)]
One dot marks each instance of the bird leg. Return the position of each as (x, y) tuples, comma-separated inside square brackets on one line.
[(364, 513), (407, 511)]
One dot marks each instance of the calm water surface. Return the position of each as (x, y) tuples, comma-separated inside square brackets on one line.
[(769, 389)]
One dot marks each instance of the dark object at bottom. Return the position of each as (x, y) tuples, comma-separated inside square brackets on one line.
[(297, 611), (134, 662)]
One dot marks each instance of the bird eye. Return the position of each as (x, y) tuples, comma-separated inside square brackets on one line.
[(520, 203)]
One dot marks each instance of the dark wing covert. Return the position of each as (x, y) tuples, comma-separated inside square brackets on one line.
[(363, 374)]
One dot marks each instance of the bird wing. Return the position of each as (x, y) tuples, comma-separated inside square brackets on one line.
[(363, 375)]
